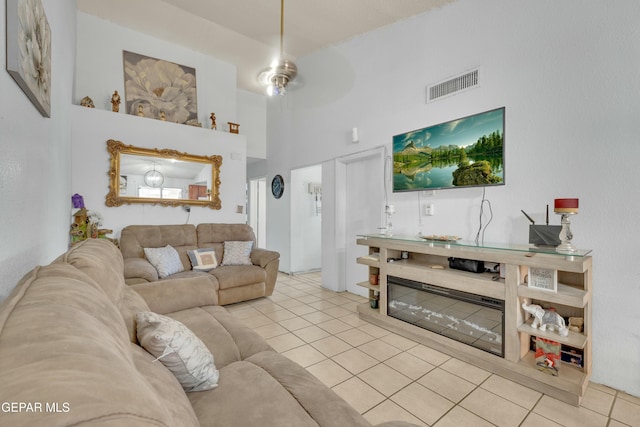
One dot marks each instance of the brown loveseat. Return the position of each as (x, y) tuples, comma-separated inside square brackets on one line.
[(233, 283), (69, 355)]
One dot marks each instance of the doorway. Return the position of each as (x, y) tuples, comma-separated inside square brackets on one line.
[(306, 219), (360, 207), (257, 210)]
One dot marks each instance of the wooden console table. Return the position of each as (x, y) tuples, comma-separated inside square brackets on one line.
[(427, 262)]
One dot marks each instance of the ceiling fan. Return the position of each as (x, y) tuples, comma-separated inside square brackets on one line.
[(281, 72)]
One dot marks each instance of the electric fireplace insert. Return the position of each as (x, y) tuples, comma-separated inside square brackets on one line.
[(472, 319)]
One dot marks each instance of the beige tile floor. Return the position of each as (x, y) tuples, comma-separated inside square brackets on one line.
[(386, 376)]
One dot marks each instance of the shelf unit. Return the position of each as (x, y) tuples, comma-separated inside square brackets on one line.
[(373, 261), (427, 262)]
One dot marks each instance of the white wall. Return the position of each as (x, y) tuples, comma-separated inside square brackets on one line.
[(566, 73), (252, 117), (91, 130), (306, 223), (35, 166), (99, 72), (99, 69)]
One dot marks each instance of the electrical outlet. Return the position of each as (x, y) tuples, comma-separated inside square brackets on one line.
[(430, 209)]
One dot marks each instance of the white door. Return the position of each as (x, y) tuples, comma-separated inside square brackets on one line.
[(257, 209), (363, 206), (306, 219)]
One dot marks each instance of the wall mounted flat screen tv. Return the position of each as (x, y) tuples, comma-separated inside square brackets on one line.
[(466, 152)]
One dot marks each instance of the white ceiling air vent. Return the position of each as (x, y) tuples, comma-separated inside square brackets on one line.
[(453, 85)]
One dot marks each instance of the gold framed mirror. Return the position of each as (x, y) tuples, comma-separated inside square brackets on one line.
[(162, 177)]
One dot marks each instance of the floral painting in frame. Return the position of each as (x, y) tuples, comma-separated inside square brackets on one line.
[(29, 51), (157, 89)]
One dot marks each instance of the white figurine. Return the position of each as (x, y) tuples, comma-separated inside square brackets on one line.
[(545, 319)]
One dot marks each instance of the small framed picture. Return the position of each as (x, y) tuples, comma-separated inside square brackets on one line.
[(545, 279)]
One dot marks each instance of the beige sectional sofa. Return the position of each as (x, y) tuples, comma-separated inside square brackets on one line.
[(233, 283), (69, 355)]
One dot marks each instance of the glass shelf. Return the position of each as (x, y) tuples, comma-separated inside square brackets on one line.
[(467, 243)]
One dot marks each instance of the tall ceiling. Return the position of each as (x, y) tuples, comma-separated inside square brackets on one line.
[(246, 33)]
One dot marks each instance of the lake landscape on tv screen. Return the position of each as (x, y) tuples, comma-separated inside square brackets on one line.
[(466, 152)]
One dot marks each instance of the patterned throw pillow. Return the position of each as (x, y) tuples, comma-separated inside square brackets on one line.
[(166, 260), (203, 259), (179, 350), (237, 253)]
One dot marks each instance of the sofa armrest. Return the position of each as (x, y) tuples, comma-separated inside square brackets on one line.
[(170, 295), (270, 261), (139, 268), (262, 257)]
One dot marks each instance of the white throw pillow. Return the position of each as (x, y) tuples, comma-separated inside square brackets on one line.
[(179, 350), (166, 260), (237, 253), (203, 259)]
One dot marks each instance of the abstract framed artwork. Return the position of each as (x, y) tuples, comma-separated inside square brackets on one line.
[(159, 89), (29, 51)]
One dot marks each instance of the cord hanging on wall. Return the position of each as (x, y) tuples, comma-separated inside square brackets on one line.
[(389, 210)]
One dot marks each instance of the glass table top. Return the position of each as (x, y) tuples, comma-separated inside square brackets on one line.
[(451, 240)]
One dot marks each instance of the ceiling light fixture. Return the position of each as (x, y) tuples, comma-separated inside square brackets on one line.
[(153, 178), (276, 77)]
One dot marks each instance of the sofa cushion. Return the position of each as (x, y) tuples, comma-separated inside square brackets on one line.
[(203, 259), (213, 235), (163, 383), (227, 338), (237, 253), (140, 270), (166, 260), (175, 294), (309, 392), (231, 276), (249, 390), (209, 233), (302, 400), (179, 349), (134, 238), (102, 261)]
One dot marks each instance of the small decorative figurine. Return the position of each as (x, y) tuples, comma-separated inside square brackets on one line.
[(140, 113), (163, 117), (78, 201), (234, 127), (87, 102), (115, 102), (545, 319), (213, 121), (80, 225), (576, 324)]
